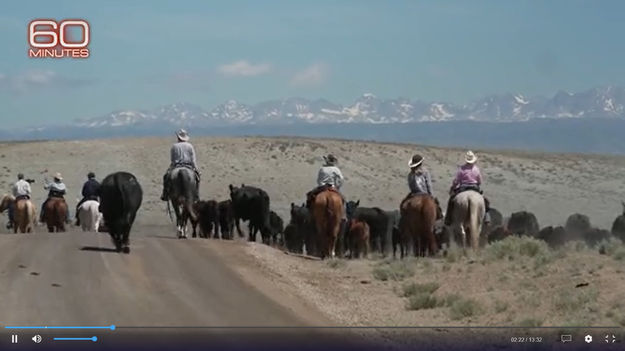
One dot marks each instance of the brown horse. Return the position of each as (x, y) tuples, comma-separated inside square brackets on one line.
[(418, 216), (55, 214), (327, 212), (6, 202)]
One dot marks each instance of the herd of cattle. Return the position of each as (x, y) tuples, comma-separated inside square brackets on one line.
[(368, 229), (381, 227)]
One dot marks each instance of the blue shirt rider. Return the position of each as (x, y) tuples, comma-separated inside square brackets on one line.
[(90, 191)]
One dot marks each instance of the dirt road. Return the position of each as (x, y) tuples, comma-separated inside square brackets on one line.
[(75, 278)]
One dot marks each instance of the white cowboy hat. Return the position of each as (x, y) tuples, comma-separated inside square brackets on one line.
[(415, 161), (182, 135), (58, 176), (470, 157)]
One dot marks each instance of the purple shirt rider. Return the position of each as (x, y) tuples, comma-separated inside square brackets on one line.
[(468, 174)]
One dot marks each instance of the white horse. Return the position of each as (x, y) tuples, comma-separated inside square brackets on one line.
[(89, 216), (467, 217)]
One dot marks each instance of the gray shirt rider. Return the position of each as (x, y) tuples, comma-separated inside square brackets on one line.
[(182, 153), (330, 175)]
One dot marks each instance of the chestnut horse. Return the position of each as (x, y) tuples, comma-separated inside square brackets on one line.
[(327, 211), (418, 216), (55, 214)]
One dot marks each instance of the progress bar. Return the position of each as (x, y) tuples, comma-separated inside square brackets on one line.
[(93, 338), (110, 327)]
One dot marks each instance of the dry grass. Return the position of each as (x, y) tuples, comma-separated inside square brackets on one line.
[(393, 270), (464, 308)]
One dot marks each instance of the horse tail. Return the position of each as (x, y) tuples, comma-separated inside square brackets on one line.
[(185, 182), (32, 213), (30, 217), (329, 212), (473, 212)]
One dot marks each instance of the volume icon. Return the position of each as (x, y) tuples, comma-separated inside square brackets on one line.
[(37, 339)]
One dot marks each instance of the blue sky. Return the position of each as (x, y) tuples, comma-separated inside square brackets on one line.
[(150, 53)]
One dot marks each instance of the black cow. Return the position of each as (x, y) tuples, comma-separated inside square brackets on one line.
[(593, 236), (377, 220), (207, 213), (276, 225), (226, 219), (120, 198), (553, 236), (496, 222), (577, 225), (523, 223), (251, 204), (618, 227), (300, 231), (292, 240), (498, 233), (393, 221)]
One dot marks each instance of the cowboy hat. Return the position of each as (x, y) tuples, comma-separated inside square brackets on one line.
[(182, 135), (58, 176), (470, 157), (415, 161), (330, 159)]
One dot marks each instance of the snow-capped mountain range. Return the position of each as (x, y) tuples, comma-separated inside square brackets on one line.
[(605, 102)]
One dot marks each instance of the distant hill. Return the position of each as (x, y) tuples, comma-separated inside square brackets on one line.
[(583, 135)]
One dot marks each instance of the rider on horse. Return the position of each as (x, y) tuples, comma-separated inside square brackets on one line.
[(90, 191), (56, 189), (467, 178), (420, 181), (21, 190), (329, 176), (182, 155)]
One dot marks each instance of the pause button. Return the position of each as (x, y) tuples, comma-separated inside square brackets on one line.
[(13, 339)]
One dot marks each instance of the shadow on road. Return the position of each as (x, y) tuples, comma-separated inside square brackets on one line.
[(163, 237), (97, 249)]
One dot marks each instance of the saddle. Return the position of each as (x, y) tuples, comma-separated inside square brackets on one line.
[(22, 197), (56, 194), (439, 210), (311, 195), (469, 187), (189, 167)]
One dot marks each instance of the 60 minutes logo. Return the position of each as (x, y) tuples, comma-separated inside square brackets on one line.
[(56, 41)]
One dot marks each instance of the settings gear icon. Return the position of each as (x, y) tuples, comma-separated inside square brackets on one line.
[(588, 339)]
